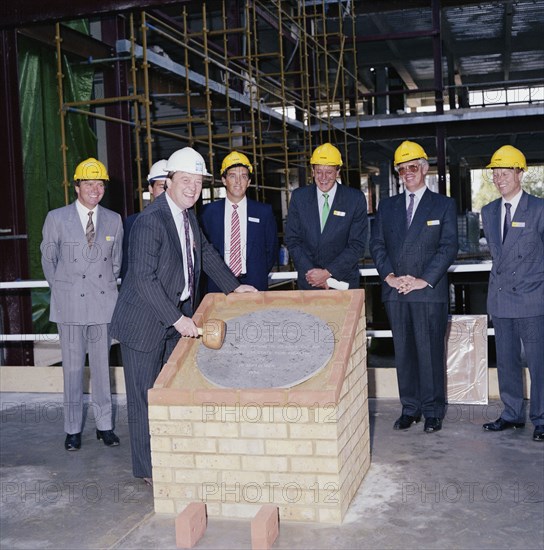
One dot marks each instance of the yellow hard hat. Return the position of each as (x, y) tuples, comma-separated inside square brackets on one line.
[(409, 150), (91, 169), (327, 155), (235, 159), (508, 157)]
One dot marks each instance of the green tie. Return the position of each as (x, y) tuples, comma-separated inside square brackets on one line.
[(325, 211)]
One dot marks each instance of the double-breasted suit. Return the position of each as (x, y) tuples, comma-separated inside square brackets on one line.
[(341, 244), (148, 306), (261, 240), (418, 319), (515, 302), (83, 282)]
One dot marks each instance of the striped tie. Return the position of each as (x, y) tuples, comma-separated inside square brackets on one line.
[(89, 230), (235, 262), (190, 266)]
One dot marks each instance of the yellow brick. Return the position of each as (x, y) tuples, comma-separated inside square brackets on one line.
[(279, 480), (230, 477), (318, 464), (172, 460), (329, 515), (217, 462), (241, 446), (264, 431), (326, 448), (161, 444), (164, 506), (158, 412), (297, 513), (194, 445), (215, 429), (312, 431), (185, 412), (176, 491), (325, 415), (170, 428), (162, 474), (264, 463), (196, 476), (288, 447)]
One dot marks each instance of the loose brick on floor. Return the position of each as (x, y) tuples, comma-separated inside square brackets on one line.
[(265, 527), (191, 524)]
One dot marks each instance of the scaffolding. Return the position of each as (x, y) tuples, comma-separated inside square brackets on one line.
[(273, 79)]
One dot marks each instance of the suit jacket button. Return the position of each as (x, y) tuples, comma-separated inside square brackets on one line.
[(105, 259), (84, 276), (82, 295), (100, 276), (514, 289), (498, 272), (101, 292), (178, 294)]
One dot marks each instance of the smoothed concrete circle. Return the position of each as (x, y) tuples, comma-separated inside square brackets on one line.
[(274, 348)]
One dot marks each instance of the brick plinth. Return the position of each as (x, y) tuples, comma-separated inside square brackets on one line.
[(304, 449)]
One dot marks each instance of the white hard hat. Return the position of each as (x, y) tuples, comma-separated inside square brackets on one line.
[(158, 171), (187, 160)]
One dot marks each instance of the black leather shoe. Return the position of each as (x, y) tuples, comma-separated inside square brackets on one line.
[(72, 442), (501, 424), (432, 424), (404, 421), (538, 434), (108, 437)]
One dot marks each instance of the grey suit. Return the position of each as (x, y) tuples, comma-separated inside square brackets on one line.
[(515, 303), (83, 283), (149, 305)]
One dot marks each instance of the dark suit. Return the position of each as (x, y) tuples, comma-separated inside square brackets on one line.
[(418, 319), (261, 240), (515, 302), (342, 243), (149, 305)]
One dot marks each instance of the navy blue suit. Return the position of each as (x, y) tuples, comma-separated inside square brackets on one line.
[(515, 302), (342, 243), (127, 226), (149, 305), (261, 242), (418, 319)]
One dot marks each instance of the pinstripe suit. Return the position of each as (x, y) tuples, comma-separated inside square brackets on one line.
[(515, 301), (149, 305), (83, 285)]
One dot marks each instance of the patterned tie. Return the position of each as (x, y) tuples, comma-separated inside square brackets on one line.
[(190, 267), (235, 262), (410, 211), (325, 211), (89, 230), (507, 220)]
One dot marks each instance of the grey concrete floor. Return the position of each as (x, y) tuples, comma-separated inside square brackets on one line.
[(461, 488)]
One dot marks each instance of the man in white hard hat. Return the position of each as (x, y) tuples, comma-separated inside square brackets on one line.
[(81, 258), (167, 253), (514, 228), (156, 181)]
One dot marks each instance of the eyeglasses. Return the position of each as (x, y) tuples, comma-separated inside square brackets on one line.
[(412, 168)]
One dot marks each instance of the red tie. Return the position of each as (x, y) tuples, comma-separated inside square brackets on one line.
[(235, 262)]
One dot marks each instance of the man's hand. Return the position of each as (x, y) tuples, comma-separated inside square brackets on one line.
[(409, 283), (318, 277), (245, 288), (186, 327)]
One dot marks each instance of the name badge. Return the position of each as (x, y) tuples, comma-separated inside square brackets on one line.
[(518, 224), (110, 238), (254, 220), (339, 213), (433, 222)]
